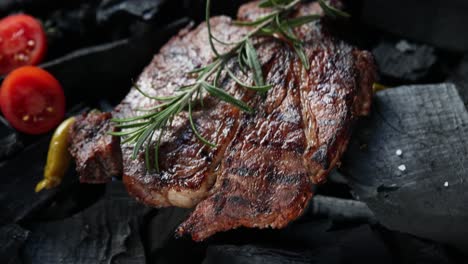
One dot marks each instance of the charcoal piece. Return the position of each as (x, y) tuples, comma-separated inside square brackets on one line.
[(69, 202), (69, 28), (10, 146), (106, 69), (404, 61), (341, 210), (7, 6), (409, 162), (163, 225), (440, 23), (19, 177), (230, 254), (162, 244), (460, 78), (12, 237), (410, 249), (10, 141), (106, 232), (352, 245), (143, 9)]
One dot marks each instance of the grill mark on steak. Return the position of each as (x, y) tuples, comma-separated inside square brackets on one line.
[(262, 170)]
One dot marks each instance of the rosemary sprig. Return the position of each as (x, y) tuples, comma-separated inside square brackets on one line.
[(139, 130)]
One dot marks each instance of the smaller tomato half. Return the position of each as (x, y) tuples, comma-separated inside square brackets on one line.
[(22, 42), (32, 100)]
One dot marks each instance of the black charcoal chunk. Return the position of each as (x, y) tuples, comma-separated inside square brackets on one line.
[(10, 142), (409, 162), (231, 254), (410, 249), (460, 78), (161, 243), (19, 177), (10, 145), (12, 238), (106, 232), (341, 210), (106, 69), (440, 23), (404, 61), (359, 244), (143, 9)]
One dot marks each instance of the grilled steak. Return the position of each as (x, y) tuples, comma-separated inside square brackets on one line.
[(261, 172), (98, 156)]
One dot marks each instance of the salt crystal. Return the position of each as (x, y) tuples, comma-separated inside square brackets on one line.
[(402, 167), (398, 152), (446, 184)]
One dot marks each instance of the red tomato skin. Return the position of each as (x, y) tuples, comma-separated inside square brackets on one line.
[(34, 29), (29, 91)]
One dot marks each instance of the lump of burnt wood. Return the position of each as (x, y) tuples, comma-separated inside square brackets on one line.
[(428, 198), (404, 61), (97, 154), (10, 142), (19, 177), (12, 238), (106, 232)]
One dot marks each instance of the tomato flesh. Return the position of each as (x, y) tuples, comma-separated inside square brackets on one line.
[(22, 42), (32, 100)]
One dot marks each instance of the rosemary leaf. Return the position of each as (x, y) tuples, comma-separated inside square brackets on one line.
[(255, 22), (158, 98), (332, 11), (274, 3), (224, 96), (195, 130), (299, 21), (302, 56), (208, 27), (147, 151), (132, 125), (254, 63), (263, 88), (142, 139)]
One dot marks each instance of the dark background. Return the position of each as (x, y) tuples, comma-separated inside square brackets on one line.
[(96, 49)]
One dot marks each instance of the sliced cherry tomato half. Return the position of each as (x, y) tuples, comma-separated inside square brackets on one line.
[(32, 100), (22, 42)]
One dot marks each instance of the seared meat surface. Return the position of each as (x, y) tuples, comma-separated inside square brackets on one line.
[(97, 155), (261, 172)]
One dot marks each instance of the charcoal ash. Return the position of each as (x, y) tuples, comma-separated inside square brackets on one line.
[(429, 123)]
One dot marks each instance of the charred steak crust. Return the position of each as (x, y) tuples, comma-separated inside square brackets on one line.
[(97, 155), (262, 170)]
